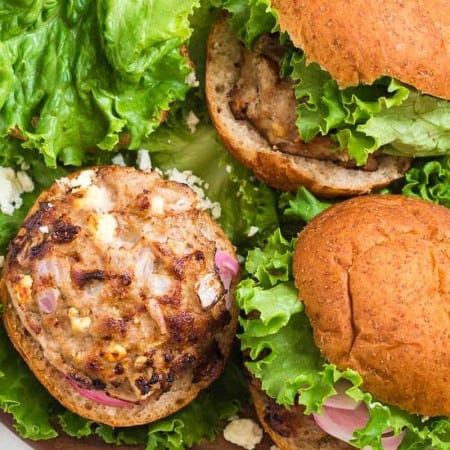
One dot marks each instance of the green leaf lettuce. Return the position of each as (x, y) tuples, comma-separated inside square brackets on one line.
[(82, 74)]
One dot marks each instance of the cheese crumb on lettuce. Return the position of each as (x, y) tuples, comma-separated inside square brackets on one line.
[(12, 185)]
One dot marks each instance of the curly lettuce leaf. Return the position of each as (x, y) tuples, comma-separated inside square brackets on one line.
[(68, 86), (17, 385), (249, 19), (303, 204), (362, 119), (430, 181), (278, 337), (418, 127)]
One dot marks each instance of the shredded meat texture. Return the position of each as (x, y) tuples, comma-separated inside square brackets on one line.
[(268, 102), (115, 276)]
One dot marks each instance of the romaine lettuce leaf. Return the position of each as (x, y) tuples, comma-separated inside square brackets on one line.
[(68, 86)]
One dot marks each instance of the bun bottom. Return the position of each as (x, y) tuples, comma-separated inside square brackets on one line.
[(181, 393), (291, 429)]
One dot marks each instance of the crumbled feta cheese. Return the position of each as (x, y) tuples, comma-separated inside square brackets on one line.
[(103, 227), (192, 121), (228, 168), (83, 180), (191, 79), (243, 432), (44, 229), (252, 231), (198, 186), (96, 198), (143, 160), (241, 258), (118, 160), (25, 181), (12, 185), (157, 205)]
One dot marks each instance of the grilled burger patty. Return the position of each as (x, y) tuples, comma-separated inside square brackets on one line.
[(124, 282)]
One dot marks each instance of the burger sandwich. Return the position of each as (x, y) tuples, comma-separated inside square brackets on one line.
[(347, 330), (118, 294), (334, 96)]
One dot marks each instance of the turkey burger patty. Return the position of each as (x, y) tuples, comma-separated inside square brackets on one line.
[(118, 292)]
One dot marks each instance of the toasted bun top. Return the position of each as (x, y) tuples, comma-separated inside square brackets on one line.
[(359, 41), (374, 275)]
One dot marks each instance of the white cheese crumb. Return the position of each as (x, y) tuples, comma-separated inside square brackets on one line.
[(2, 261), (244, 432), (228, 168), (157, 205), (25, 181), (192, 121), (44, 229), (198, 186), (103, 227), (84, 179), (118, 160), (252, 231), (97, 198), (191, 79), (143, 160), (12, 185)]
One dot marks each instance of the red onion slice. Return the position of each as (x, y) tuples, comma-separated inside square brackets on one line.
[(228, 268), (341, 400), (98, 396), (342, 423), (392, 442), (47, 300)]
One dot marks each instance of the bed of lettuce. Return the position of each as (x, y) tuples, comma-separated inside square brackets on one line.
[(79, 101), (68, 112)]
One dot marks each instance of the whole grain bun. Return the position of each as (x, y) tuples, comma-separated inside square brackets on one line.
[(360, 41), (279, 170), (117, 292), (373, 273), (290, 429)]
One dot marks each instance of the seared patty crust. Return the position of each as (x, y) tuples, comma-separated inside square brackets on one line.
[(125, 284)]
